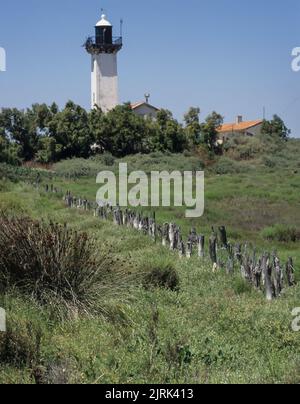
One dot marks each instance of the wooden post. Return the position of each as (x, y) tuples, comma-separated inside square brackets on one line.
[(201, 244), (267, 270), (193, 237), (278, 276), (165, 234), (181, 248), (257, 274), (213, 248), (172, 236), (238, 253), (230, 266), (223, 237), (290, 272), (189, 249)]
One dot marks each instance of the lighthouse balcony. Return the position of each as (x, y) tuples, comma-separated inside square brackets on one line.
[(96, 45)]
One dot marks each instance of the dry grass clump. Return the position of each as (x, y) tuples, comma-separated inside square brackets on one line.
[(59, 267)]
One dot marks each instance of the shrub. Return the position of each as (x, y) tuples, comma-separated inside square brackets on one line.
[(58, 267), (15, 174), (20, 345), (77, 168), (227, 166), (281, 233), (161, 274)]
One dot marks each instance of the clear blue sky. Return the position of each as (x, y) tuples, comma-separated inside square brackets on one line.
[(226, 55)]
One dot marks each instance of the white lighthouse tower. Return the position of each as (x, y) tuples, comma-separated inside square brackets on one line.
[(104, 49)]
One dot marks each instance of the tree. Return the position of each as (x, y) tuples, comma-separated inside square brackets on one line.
[(71, 130), (192, 126), (209, 131), (120, 131), (48, 150), (169, 134), (17, 128), (276, 128)]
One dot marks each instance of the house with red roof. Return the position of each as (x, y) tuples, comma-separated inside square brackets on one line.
[(241, 127)]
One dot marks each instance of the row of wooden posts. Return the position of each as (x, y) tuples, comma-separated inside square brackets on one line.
[(263, 271)]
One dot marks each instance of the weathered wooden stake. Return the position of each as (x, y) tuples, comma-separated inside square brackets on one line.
[(201, 245), (223, 237), (213, 248), (290, 272)]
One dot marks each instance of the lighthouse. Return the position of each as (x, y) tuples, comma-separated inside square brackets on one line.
[(104, 48)]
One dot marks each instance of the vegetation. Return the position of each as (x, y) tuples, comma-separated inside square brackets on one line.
[(88, 302), (45, 134), (57, 267), (172, 320)]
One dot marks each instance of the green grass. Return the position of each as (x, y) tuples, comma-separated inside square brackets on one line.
[(213, 328)]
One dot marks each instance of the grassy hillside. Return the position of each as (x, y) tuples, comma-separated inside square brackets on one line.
[(212, 328)]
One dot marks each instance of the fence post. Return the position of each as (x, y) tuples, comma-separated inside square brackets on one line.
[(223, 237), (201, 245), (290, 272), (213, 248)]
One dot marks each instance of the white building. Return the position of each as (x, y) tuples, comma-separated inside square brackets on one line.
[(145, 109), (104, 77)]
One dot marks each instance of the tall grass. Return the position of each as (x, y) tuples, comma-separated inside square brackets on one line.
[(58, 267)]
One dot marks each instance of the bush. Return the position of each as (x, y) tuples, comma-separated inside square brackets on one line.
[(20, 345), (15, 173), (77, 168), (244, 147), (227, 166), (58, 267), (161, 275), (281, 233)]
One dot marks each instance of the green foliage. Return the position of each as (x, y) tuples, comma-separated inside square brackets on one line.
[(281, 233), (17, 173), (157, 161), (192, 125), (210, 331), (48, 151), (46, 134), (276, 128), (241, 286), (226, 166), (245, 147), (71, 132), (209, 133)]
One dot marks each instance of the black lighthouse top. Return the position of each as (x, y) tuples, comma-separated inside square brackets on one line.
[(103, 41)]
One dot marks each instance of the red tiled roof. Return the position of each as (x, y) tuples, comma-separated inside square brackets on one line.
[(239, 127)]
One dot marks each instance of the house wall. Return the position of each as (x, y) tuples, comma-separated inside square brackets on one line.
[(254, 131), (146, 110)]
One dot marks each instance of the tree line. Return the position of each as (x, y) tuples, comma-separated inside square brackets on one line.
[(47, 134)]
